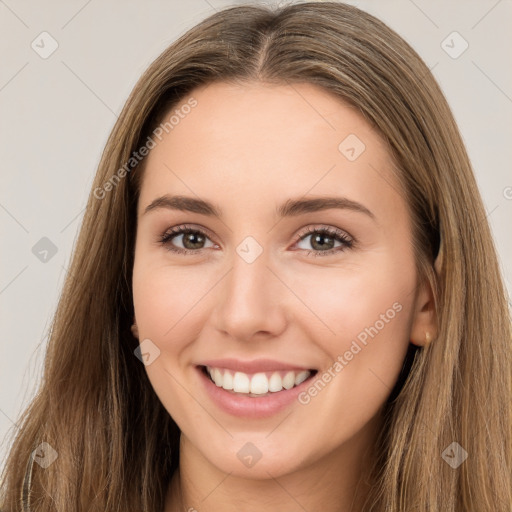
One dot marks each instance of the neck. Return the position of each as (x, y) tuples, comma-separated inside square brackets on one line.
[(336, 482)]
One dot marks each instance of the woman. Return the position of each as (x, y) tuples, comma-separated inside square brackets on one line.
[(203, 358)]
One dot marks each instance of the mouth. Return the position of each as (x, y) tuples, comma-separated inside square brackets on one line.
[(256, 385)]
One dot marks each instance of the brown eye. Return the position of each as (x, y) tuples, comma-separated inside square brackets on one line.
[(323, 241), (192, 240)]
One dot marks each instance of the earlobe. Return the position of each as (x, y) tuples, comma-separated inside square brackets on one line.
[(422, 341), (427, 340), (135, 330)]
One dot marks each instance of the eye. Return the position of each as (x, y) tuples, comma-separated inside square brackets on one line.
[(192, 240), (323, 240)]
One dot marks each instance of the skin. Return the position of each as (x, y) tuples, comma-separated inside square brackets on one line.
[(248, 148)]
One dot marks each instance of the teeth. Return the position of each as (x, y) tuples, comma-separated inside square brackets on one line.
[(257, 383), (289, 380), (217, 377), (275, 383), (301, 377), (241, 383), (227, 382)]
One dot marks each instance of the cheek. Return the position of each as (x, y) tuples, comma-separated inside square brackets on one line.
[(344, 303), (368, 315), (166, 300), (167, 304), (365, 314)]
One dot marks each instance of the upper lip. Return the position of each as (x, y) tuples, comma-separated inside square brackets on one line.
[(254, 366)]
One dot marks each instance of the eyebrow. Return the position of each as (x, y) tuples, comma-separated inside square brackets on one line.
[(290, 208)]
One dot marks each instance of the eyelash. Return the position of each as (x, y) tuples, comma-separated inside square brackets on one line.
[(347, 243)]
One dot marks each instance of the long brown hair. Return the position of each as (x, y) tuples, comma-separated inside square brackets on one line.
[(118, 447)]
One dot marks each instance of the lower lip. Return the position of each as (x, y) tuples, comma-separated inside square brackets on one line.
[(251, 407)]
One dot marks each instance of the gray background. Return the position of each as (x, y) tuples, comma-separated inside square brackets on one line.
[(57, 112)]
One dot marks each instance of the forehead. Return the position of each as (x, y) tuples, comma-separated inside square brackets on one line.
[(245, 143)]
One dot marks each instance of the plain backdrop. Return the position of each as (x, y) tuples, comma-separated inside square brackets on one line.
[(57, 111)]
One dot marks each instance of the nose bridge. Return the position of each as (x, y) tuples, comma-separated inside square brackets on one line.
[(249, 299)]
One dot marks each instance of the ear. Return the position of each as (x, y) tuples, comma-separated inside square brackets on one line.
[(424, 322), (135, 329)]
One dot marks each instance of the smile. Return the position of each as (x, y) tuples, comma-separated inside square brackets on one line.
[(255, 389), (256, 384)]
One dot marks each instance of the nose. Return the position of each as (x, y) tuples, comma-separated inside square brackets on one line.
[(251, 301)]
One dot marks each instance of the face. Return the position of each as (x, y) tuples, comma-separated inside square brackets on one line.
[(273, 283)]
